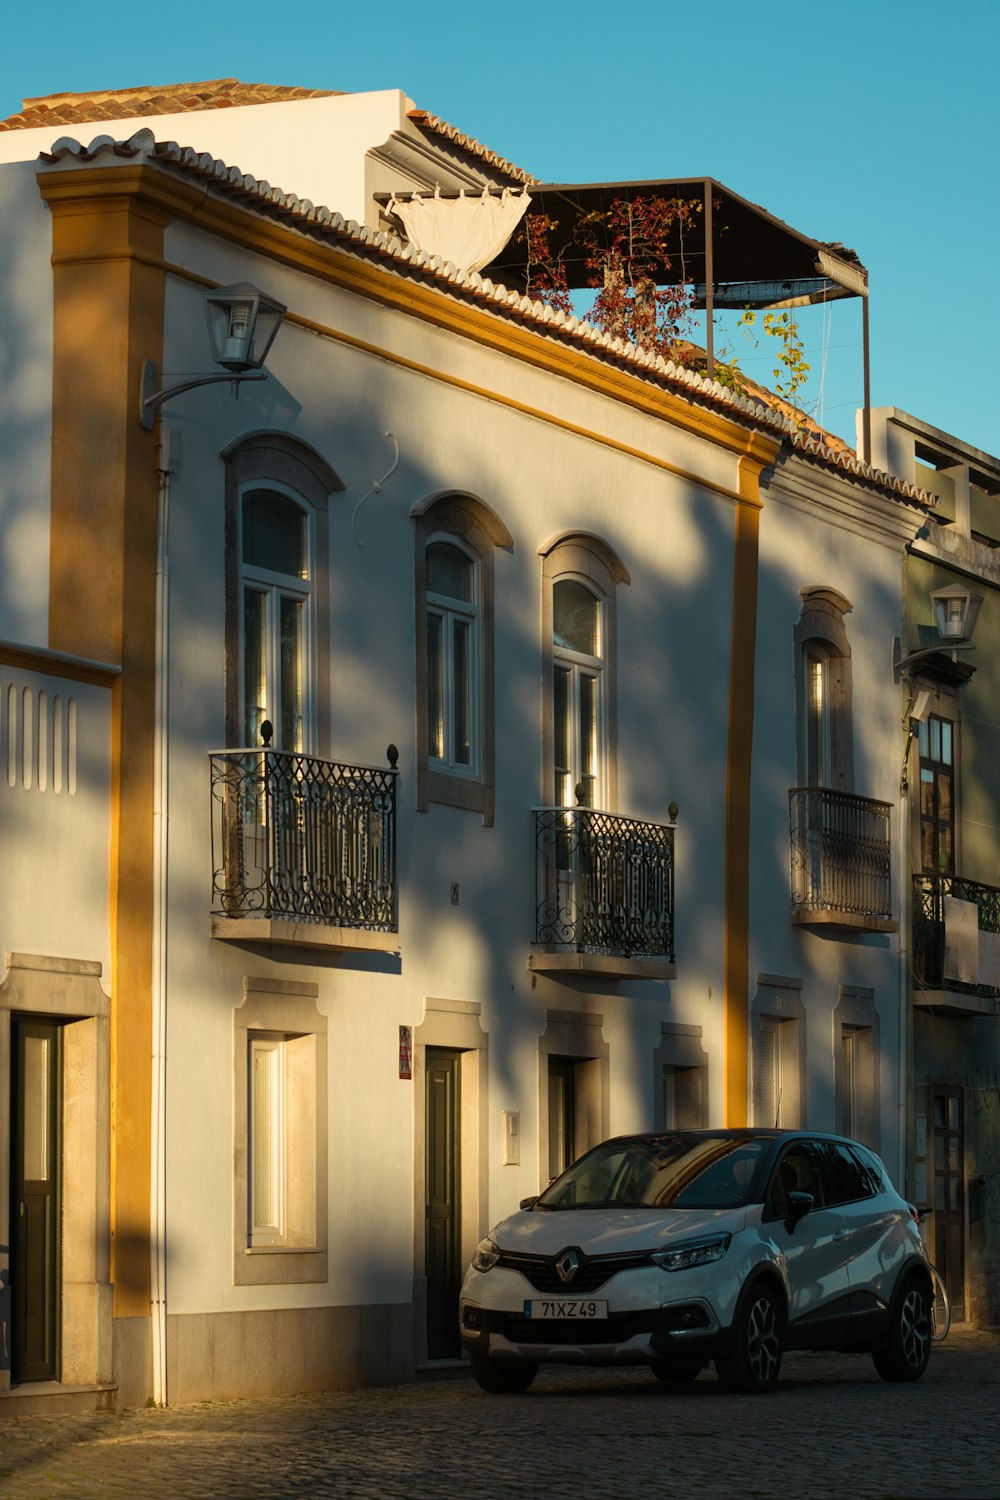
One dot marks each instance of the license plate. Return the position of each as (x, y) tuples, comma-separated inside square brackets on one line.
[(565, 1307)]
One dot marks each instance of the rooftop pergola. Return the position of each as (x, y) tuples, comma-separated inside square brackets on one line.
[(737, 256)]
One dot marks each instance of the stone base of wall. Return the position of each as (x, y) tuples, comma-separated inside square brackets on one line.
[(984, 1293), (281, 1351), (133, 1361)]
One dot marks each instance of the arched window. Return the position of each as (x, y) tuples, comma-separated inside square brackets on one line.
[(580, 577), (823, 674), (579, 714), (456, 538), (454, 708), (277, 593), (278, 627)]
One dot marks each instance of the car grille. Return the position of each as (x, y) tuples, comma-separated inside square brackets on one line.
[(613, 1330), (593, 1272)]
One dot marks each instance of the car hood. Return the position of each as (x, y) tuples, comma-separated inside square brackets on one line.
[(610, 1231)]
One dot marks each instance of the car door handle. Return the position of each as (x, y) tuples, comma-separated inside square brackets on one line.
[(842, 1234)]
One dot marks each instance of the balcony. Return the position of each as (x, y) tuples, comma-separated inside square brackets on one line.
[(841, 860), (956, 945), (604, 894), (303, 851)]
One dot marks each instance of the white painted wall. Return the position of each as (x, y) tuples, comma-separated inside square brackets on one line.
[(54, 812), (25, 406), (315, 148), (676, 541), (848, 540)]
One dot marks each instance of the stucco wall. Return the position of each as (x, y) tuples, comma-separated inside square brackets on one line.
[(25, 401)]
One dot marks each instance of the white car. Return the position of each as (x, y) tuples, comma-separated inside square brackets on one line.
[(677, 1249)]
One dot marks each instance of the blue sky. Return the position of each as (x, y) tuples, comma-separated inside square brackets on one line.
[(871, 122)]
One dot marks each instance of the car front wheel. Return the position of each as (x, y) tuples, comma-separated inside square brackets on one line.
[(908, 1349), (753, 1363), (502, 1379)]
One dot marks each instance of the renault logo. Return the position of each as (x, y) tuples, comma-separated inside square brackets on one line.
[(567, 1265)]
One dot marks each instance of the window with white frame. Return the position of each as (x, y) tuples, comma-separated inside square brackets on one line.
[(823, 672), (277, 618), (578, 697), (281, 1141), (277, 593), (581, 575), (454, 709), (457, 536), (817, 717), (266, 1137), (280, 1135)]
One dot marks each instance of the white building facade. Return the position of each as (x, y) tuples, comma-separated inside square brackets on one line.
[(448, 713)]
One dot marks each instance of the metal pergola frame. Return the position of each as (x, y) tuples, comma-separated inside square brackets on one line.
[(741, 257)]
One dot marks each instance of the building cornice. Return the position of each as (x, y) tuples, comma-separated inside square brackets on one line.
[(160, 193)]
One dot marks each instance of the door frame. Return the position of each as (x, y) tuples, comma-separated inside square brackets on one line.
[(47, 1365)]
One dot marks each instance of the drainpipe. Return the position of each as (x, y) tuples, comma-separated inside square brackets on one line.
[(904, 1110), (166, 463)]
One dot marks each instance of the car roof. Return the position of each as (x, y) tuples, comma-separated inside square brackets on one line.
[(735, 1133)]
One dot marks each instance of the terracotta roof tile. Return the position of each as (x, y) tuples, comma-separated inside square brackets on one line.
[(466, 143), (753, 405), (148, 99)]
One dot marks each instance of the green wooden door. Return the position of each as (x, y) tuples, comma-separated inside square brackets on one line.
[(36, 1210), (443, 1206)]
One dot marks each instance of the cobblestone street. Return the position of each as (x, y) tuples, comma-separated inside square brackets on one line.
[(832, 1429)]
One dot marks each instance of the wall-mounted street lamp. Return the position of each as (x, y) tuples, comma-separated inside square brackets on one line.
[(242, 324), (956, 610)]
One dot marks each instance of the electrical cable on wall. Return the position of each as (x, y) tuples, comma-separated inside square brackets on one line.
[(376, 489)]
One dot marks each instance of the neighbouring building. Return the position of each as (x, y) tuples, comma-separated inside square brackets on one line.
[(473, 740), (953, 844)]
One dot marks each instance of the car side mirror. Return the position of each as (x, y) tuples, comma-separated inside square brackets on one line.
[(528, 1202), (799, 1205)]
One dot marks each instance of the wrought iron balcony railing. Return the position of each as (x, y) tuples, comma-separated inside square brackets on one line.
[(841, 857), (604, 884), (930, 959), (304, 840)]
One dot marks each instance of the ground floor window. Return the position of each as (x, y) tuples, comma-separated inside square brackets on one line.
[(280, 1147)]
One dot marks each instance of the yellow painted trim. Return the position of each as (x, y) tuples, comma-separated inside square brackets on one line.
[(742, 657), (108, 292), (454, 382), (444, 308)]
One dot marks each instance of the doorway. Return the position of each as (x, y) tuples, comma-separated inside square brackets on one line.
[(949, 1194), (36, 1199), (443, 1215)]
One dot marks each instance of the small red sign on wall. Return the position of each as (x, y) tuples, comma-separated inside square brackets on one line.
[(406, 1052)]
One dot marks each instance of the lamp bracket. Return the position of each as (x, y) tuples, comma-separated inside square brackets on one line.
[(150, 398), (900, 662)]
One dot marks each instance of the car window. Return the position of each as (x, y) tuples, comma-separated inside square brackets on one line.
[(871, 1168), (846, 1180), (676, 1170), (798, 1171)]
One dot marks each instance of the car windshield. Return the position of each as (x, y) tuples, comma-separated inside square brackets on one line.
[(668, 1171)]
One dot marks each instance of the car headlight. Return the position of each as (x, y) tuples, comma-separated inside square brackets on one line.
[(486, 1256), (692, 1253)]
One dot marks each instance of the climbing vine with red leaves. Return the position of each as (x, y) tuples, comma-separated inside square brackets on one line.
[(628, 252)]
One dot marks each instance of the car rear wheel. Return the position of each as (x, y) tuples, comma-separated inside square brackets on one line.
[(753, 1363), (906, 1354), (502, 1379)]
